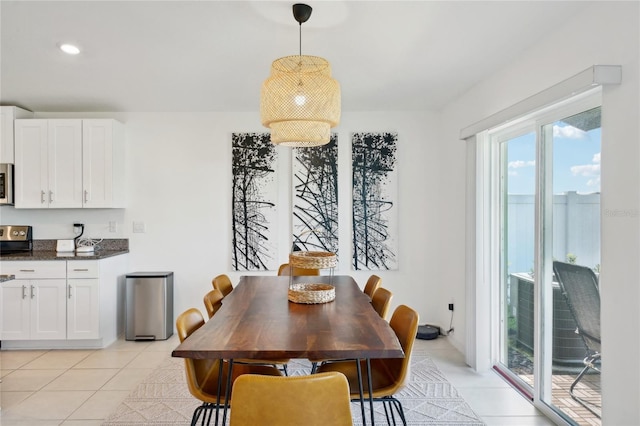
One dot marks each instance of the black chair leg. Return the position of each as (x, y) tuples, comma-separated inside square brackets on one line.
[(392, 403), (208, 414), (200, 411), (398, 405), (206, 411), (386, 411)]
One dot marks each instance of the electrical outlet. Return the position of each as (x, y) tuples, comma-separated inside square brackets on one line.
[(138, 227), (451, 306), (113, 226)]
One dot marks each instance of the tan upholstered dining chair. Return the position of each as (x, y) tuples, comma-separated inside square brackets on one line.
[(223, 283), (372, 285), (388, 375), (315, 400), (202, 374), (213, 301), (286, 269), (381, 300)]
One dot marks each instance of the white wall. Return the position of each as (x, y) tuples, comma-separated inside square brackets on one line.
[(179, 185), (607, 33)]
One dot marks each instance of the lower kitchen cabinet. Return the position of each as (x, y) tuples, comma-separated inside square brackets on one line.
[(16, 310), (83, 309), (34, 309), (83, 300), (62, 304), (48, 310), (34, 306)]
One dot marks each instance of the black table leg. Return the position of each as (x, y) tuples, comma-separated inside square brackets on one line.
[(220, 371), (370, 384), (228, 393), (359, 370)]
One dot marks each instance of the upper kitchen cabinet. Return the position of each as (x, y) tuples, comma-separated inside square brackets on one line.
[(69, 163), (7, 115), (103, 166), (48, 169)]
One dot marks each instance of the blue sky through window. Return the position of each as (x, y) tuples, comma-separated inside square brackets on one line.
[(576, 161)]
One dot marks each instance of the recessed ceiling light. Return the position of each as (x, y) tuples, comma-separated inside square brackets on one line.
[(69, 49)]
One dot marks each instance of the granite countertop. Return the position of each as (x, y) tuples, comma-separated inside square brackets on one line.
[(46, 250), (5, 277), (54, 255)]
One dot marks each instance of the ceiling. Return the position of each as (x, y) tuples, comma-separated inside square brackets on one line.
[(186, 56)]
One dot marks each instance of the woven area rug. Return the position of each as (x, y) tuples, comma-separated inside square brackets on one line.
[(163, 399)]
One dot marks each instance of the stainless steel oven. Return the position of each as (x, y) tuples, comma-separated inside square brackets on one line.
[(6, 184), (16, 239)]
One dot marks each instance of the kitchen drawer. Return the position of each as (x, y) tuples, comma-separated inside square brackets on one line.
[(34, 269), (83, 269)]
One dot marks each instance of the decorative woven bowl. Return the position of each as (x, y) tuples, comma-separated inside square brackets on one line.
[(313, 259), (311, 293)]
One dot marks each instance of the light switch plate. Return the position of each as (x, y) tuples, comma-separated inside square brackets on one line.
[(138, 227)]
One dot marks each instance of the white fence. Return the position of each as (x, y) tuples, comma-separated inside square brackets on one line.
[(576, 229)]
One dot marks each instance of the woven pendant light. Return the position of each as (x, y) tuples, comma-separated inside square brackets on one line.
[(300, 102)]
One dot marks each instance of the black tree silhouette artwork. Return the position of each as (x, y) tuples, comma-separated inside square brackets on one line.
[(254, 194), (374, 242), (315, 198)]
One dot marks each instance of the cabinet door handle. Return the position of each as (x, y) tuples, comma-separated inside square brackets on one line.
[(80, 270), (42, 200), (69, 291), (32, 292), (24, 291), (27, 270), (86, 195), (51, 196)]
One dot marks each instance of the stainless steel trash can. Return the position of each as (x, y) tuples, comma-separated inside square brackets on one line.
[(149, 306)]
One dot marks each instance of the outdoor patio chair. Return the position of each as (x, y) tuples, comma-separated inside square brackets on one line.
[(580, 287)]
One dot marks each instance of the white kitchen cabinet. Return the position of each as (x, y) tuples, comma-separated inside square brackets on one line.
[(34, 304), (83, 300), (48, 169), (16, 310), (7, 115), (62, 304), (103, 167), (69, 163), (48, 309)]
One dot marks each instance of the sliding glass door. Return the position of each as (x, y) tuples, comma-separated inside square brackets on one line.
[(547, 175), (517, 153), (572, 183)]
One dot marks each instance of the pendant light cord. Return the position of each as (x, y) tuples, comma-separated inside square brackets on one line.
[(300, 39)]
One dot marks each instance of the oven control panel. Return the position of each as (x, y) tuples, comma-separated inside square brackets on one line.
[(15, 233)]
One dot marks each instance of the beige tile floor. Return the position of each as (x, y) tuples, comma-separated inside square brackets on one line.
[(81, 387), (73, 387), (487, 393)]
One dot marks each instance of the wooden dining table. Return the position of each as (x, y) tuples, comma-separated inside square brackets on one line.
[(258, 321)]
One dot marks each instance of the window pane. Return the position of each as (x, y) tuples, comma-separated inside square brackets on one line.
[(575, 149), (517, 251)]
